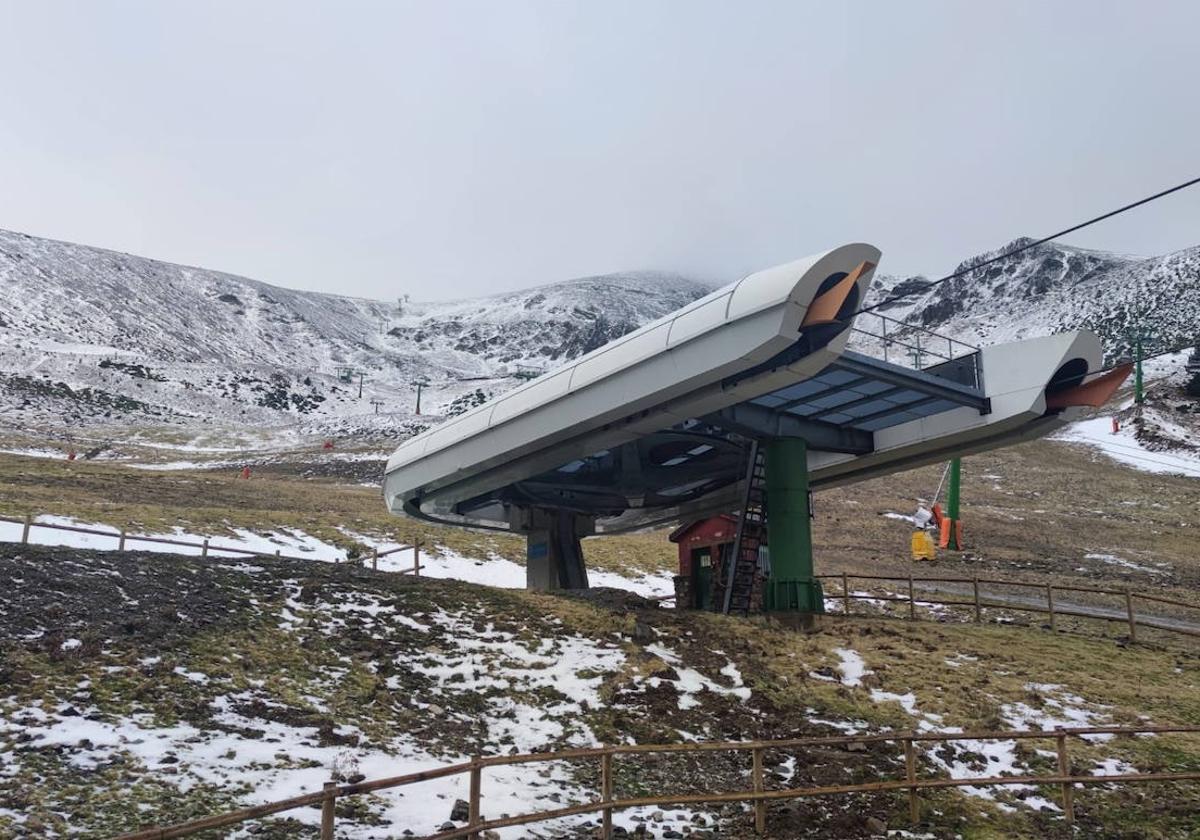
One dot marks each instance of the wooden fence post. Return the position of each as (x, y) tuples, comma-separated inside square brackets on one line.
[(1050, 604), (910, 769), (375, 560), (846, 592), (277, 552), (417, 558), (327, 805), (25, 530), (204, 548), (473, 817), (760, 805), (121, 541), (978, 610), (606, 795), (1132, 619), (912, 600), (1064, 769)]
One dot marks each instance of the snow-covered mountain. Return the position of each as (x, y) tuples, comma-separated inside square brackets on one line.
[(90, 335), (1055, 287), (95, 337)]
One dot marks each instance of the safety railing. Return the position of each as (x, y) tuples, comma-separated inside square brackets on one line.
[(607, 803), (920, 344), (979, 600), (206, 546), (918, 347)]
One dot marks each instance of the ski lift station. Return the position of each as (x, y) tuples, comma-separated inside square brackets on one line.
[(741, 402)]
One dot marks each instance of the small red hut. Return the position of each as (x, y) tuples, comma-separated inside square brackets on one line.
[(704, 547)]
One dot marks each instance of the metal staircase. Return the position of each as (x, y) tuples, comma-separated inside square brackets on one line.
[(734, 591)]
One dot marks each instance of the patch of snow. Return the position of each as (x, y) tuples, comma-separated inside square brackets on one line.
[(1059, 709), (691, 681), (36, 453), (1114, 560), (1124, 448), (1112, 767), (286, 541), (851, 665), (503, 573), (958, 659), (192, 676)]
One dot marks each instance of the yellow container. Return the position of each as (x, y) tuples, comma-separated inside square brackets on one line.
[(922, 546)]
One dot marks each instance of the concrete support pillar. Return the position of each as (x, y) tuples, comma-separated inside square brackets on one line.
[(553, 555), (792, 586)]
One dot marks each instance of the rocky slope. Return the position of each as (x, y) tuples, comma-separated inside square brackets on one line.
[(1056, 287)]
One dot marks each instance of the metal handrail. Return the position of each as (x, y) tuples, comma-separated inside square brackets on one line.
[(900, 330), (606, 804)]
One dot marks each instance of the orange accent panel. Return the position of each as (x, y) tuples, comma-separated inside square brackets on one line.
[(824, 308), (1095, 393)]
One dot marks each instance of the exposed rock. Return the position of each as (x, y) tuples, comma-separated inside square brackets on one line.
[(643, 633)]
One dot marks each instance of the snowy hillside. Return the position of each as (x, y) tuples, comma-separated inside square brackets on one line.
[(94, 336), (1055, 287)]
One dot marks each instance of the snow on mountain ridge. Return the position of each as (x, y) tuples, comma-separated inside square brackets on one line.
[(87, 333), (1054, 287), (79, 294)]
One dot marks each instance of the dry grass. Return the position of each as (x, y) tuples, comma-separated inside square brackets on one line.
[(1032, 511), (1035, 510), (210, 502)]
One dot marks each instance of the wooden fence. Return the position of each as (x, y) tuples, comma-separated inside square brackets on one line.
[(605, 804), (206, 546), (979, 601)]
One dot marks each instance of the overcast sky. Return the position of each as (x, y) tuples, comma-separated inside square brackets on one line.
[(448, 149)]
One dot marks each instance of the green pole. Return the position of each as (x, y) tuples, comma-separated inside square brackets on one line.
[(952, 494), (1138, 396), (792, 586), (952, 502)]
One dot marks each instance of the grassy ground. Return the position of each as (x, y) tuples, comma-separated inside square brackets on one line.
[(1035, 511), (211, 502), (165, 639), (1032, 512)]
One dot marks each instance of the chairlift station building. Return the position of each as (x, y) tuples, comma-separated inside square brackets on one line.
[(664, 424)]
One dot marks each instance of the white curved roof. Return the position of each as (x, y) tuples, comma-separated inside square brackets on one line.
[(784, 291)]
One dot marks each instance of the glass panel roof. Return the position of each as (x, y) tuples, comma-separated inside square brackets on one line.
[(859, 399)]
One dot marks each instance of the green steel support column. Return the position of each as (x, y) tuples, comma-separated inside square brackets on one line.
[(792, 586), (952, 502)]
